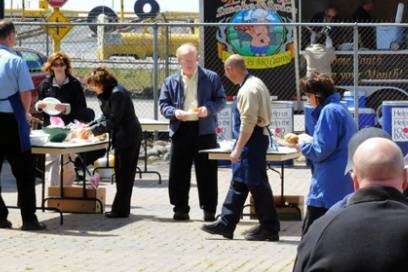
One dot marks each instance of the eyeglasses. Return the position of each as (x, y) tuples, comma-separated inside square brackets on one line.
[(58, 64)]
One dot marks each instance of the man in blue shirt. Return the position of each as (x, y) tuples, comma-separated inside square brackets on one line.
[(15, 100), (191, 100)]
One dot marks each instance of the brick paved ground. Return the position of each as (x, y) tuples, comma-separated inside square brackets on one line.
[(148, 240)]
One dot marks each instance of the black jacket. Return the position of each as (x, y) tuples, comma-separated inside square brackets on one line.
[(71, 93), (118, 119), (370, 234)]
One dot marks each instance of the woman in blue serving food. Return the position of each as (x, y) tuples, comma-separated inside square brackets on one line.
[(328, 148)]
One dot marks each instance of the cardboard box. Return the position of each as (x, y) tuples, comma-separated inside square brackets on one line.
[(294, 205), (77, 205)]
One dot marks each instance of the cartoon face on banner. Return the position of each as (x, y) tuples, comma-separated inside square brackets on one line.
[(257, 40), (262, 46)]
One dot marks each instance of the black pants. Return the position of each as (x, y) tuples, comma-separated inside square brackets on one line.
[(263, 201), (22, 168), (184, 151), (312, 214), (125, 169)]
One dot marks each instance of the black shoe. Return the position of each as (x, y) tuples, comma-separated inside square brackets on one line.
[(219, 228), (5, 224), (209, 216), (252, 231), (262, 235), (33, 226), (181, 216), (115, 215)]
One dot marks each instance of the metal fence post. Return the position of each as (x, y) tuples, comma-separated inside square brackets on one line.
[(355, 73), (155, 70)]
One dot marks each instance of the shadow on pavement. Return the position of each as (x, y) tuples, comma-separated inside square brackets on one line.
[(92, 225)]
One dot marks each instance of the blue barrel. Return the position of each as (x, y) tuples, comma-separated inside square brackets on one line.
[(309, 121), (395, 122), (282, 122), (348, 99), (366, 117)]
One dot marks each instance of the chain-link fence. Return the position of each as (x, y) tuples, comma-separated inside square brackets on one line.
[(364, 57)]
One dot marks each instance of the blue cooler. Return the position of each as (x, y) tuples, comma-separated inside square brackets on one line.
[(348, 99), (366, 117), (309, 122), (386, 35), (395, 122)]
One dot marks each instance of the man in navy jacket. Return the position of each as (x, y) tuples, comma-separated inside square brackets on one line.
[(191, 100), (370, 232)]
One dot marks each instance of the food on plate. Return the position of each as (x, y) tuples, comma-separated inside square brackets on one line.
[(102, 137), (196, 110), (84, 134), (291, 138)]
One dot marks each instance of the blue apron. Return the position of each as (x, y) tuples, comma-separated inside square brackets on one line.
[(251, 169), (20, 115)]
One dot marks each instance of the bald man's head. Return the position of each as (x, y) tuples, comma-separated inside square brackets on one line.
[(235, 69), (379, 161)]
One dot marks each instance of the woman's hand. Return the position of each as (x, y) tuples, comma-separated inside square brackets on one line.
[(41, 105), (61, 107)]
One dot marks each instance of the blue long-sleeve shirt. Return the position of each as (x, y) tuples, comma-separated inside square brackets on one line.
[(328, 152)]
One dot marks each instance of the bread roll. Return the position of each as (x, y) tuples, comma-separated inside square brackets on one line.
[(291, 138)]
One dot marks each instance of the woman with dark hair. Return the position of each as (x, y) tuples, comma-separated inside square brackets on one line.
[(328, 150), (62, 85), (119, 119)]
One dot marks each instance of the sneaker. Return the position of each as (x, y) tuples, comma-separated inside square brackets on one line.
[(262, 235), (33, 226), (219, 228), (181, 216), (5, 224)]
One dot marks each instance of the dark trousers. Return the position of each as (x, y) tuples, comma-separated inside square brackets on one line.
[(312, 214), (263, 201), (184, 151), (22, 168), (125, 170)]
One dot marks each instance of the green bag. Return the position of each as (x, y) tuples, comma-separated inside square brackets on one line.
[(57, 134)]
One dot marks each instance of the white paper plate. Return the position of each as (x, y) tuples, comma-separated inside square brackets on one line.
[(50, 103), (191, 113)]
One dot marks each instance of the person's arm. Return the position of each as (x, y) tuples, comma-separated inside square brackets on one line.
[(218, 99), (248, 108), (26, 99), (114, 117), (325, 137), (25, 83), (166, 101)]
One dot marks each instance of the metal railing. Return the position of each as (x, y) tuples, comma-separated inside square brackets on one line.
[(370, 58)]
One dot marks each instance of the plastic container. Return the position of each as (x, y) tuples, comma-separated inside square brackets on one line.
[(395, 122), (282, 122), (105, 170), (309, 122), (348, 99), (366, 117), (386, 35)]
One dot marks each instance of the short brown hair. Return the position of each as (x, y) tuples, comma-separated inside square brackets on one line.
[(6, 28), (101, 77), (53, 58), (319, 84)]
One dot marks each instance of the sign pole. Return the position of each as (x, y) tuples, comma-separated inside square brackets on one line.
[(56, 42)]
